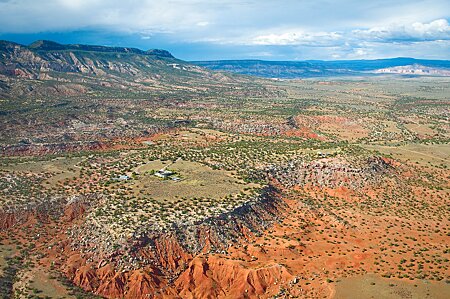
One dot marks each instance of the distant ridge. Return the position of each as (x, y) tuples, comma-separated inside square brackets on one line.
[(321, 68), (80, 69), (42, 56), (46, 45)]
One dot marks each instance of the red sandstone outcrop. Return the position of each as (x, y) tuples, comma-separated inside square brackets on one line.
[(215, 277)]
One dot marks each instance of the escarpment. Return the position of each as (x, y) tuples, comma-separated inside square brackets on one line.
[(332, 172), (186, 258), (144, 264), (180, 259), (53, 207), (172, 247)]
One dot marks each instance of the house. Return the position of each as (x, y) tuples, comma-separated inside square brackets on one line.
[(322, 155), (164, 173), (122, 177)]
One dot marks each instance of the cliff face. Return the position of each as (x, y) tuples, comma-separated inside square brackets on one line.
[(171, 263), (416, 70), (66, 208), (213, 278), (166, 248)]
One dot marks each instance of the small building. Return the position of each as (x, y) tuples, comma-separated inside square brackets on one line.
[(164, 173), (122, 177), (322, 155)]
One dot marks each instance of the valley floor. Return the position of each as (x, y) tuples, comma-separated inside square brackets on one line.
[(268, 189)]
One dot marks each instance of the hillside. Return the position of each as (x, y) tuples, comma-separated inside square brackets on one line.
[(50, 91), (318, 68), (68, 69)]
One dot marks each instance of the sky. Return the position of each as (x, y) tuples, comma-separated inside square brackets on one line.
[(240, 29)]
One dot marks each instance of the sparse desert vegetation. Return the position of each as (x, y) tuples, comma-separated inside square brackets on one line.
[(151, 177)]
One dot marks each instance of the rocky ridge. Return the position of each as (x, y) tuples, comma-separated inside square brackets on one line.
[(332, 172), (214, 233), (185, 259)]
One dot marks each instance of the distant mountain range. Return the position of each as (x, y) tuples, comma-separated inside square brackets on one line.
[(318, 68), (124, 67)]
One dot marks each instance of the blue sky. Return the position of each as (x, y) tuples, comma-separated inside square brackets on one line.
[(240, 29)]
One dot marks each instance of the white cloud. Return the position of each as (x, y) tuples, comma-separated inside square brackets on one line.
[(297, 38), (202, 24), (417, 31), (414, 32)]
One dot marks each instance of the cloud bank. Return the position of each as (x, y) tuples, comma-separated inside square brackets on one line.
[(415, 32), (200, 29)]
